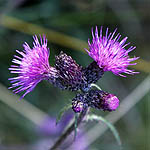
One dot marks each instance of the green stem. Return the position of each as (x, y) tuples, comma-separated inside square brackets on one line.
[(95, 85), (69, 130)]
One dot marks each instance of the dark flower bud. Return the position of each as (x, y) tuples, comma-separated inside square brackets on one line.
[(70, 73), (73, 77), (93, 73), (102, 100), (96, 99), (77, 106), (78, 103)]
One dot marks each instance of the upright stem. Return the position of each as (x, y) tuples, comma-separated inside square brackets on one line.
[(68, 131)]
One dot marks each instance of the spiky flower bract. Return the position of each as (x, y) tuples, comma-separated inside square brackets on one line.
[(32, 67), (70, 73), (110, 54), (92, 73)]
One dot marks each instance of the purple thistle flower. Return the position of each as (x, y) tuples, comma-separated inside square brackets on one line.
[(32, 67), (110, 54)]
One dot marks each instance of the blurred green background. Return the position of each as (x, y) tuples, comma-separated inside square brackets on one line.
[(67, 25)]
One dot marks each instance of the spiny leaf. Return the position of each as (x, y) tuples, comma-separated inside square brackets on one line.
[(111, 126), (63, 110)]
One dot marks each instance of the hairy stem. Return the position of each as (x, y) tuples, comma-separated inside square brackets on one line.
[(68, 131)]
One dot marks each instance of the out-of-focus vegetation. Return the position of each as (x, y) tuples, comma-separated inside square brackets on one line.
[(67, 25)]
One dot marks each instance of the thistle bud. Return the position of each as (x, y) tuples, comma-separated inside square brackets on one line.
[(78, 103), (93, 73), (102, 100), (70, 73), (96, 99)]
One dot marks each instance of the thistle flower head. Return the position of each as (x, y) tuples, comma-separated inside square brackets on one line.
[(102, 100), (110, 54), (32, 67), (70, 73), (96, 99), (78, 103), (110, 102)]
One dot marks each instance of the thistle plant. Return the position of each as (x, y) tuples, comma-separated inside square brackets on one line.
[(32, 67), (109, 53)]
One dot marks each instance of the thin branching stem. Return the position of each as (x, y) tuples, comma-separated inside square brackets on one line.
[(69, 130)]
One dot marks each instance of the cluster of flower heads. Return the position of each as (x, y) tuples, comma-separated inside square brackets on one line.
[(32, 66)]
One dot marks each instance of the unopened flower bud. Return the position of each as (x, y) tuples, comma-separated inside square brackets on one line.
[(78, 103), (92, 73), (96, 99), (77, 106), (71, 74), (102, 100)]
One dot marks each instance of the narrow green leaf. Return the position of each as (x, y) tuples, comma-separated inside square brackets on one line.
[(111, 126), (63, 110), (75, 125)]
